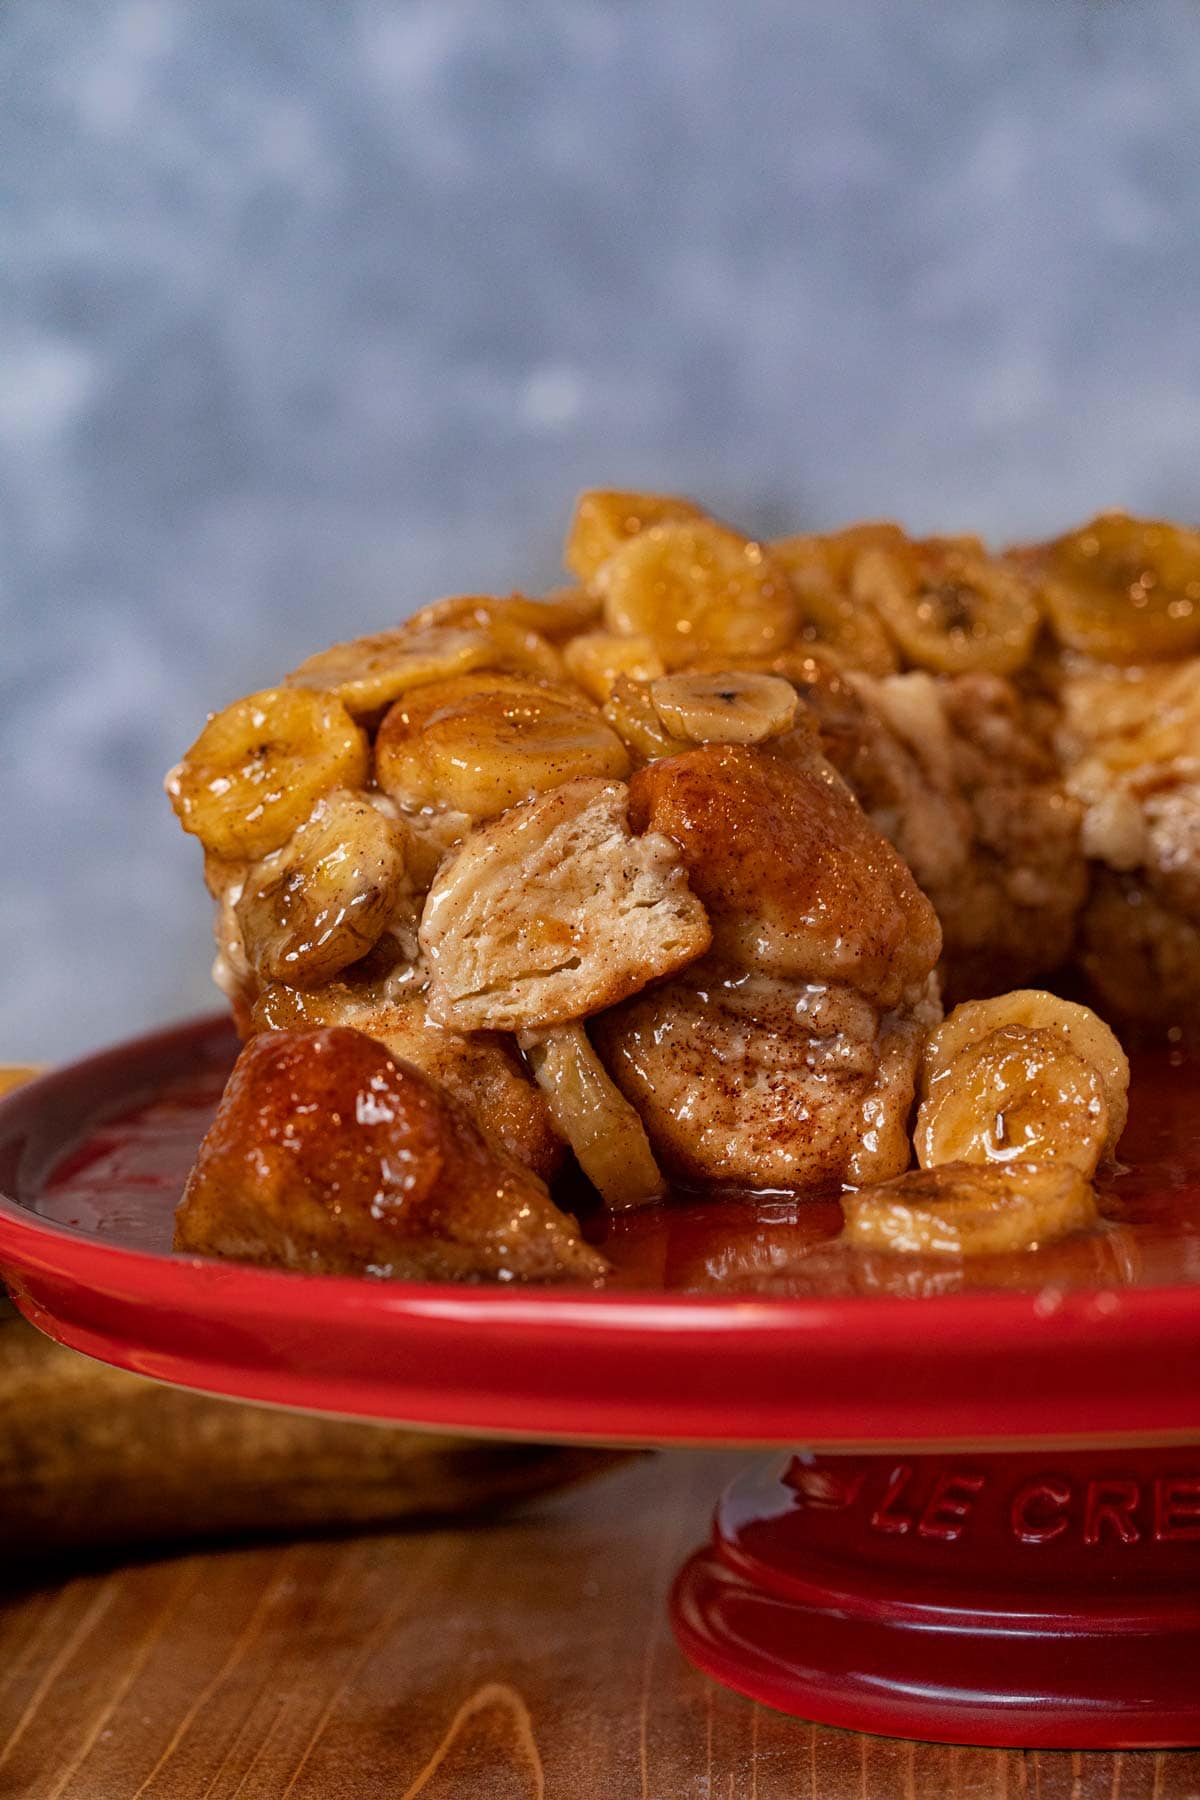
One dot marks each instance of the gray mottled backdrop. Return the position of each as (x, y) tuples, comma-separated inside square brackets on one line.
[(311, 310)]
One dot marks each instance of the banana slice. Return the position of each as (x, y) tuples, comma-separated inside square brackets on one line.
[(696, 589), (961, 1209), (520, 647), (552, 616), (319, 904), (603, 520), (1024, 1076), (257, 769), (1123, 589), (598, 658), (368, 673), (1076, 1026), (821, 571), (482, 743), (725, 708), (1018, 1095), (632, 714), (602, 1128), (851, 629), (949, 606)]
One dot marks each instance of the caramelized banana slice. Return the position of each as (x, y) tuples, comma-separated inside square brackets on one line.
[(631, 712), (732, 707), (821, 571), (1023, 1075), (602, 1128), (1016, 1095), (1123, 589), (850, 629), (319, 904), (949, 606), (1078, 1026), (962, 1209), (370, 672), (603, 520), (598, 659), (1074, 1028), (257, 769), (483, 743), (696, 589), (556, 615), (554, 911)]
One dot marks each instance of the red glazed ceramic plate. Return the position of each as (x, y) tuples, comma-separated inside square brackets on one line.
[(734, 1322)]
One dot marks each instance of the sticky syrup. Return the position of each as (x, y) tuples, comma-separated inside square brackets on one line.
[(122, 1181)]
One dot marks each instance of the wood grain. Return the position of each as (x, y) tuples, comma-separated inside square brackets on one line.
[(528, 1659)]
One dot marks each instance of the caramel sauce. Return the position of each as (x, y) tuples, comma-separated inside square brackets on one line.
[(124, 1179)]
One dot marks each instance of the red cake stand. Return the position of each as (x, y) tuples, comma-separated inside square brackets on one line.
[(994, 1535)]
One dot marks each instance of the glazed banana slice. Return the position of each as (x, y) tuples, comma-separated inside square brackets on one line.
[(257, 769), (604, 520), (368, 673), (962, 1209), (821, 571), (631, 712), (1018, 1094), (602, 1128), (1077, 1026), (318, 905), (553, 616), (731, 707), (949, 606), (1022, 1077), (1123, 590), (698, 590), (482, 743), (598, 659)]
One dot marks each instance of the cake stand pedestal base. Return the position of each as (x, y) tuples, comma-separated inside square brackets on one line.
[(1033, 1599)]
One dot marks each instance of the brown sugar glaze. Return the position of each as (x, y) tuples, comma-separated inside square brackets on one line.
[(123, 1181)]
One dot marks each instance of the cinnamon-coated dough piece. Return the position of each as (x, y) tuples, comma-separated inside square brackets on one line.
[(327, 1155)]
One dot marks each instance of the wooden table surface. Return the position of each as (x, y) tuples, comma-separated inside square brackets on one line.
[(522, 1658)]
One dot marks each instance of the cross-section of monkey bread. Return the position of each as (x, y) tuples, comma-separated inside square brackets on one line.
[(668, 879)]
